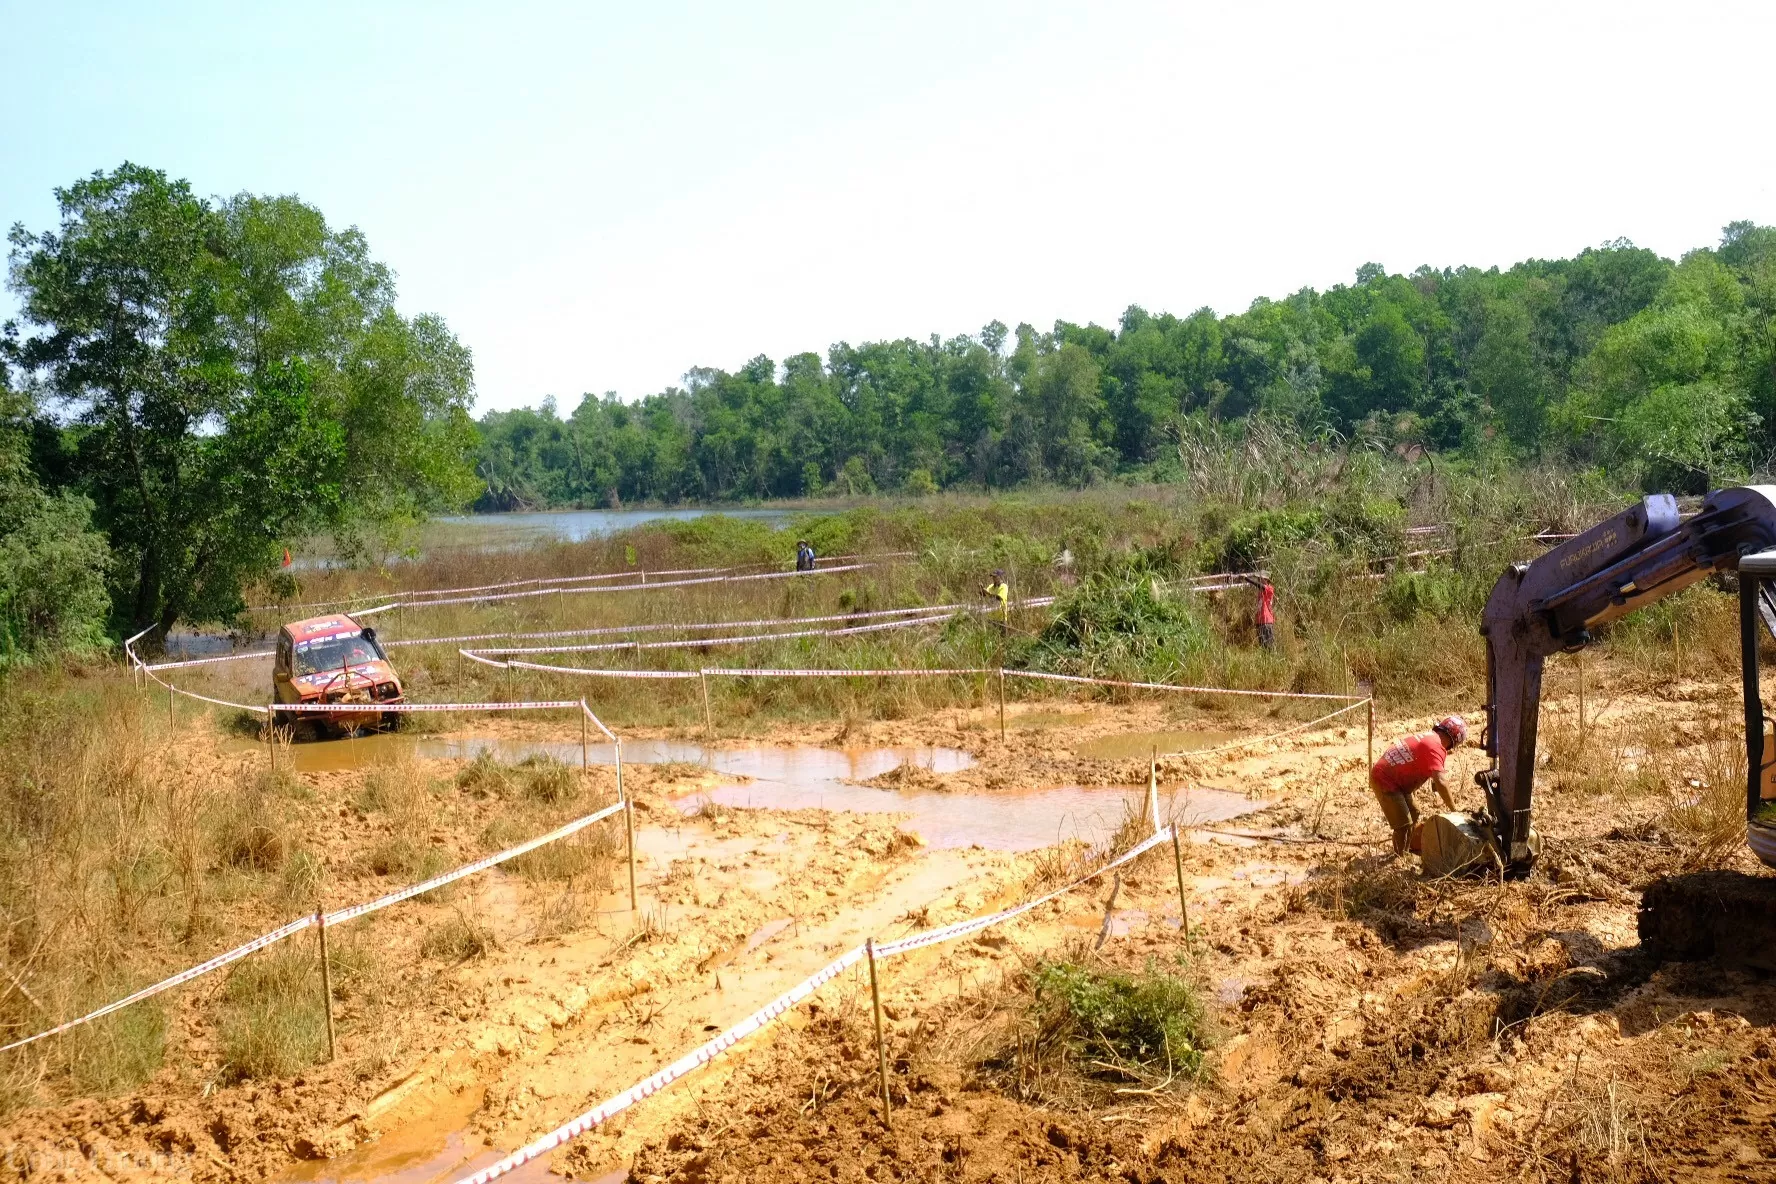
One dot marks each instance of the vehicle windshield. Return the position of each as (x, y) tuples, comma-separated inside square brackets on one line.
[(332, 653)]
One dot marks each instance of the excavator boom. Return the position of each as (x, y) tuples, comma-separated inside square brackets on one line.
[(1555, 602)]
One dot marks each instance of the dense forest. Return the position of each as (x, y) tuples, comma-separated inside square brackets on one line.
[(1662, 373)]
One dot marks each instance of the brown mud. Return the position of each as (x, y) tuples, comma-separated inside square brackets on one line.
[(1372, 1025)]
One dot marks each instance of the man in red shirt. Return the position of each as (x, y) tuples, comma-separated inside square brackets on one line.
[(1409, 763), (1265, 618)]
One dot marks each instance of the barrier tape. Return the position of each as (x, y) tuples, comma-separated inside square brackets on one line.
[(693, 642), (763, 622), (1162, 686), (360, 708), (608, 575), (943, 933), (184, 976), (334, 918), (1261, 739), (771, 1012), (745, 672), (355, 911), (605, 630), (719, 579), (580, 669)]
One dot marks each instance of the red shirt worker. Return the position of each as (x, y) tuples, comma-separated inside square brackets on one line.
[(1407, 764), (1265, 617)]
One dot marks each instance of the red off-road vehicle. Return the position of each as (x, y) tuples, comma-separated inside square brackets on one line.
[(332, 660)]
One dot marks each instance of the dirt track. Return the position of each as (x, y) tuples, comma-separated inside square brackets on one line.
[(1373, 1026)]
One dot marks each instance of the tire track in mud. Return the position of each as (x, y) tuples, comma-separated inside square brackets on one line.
[(732, 913)]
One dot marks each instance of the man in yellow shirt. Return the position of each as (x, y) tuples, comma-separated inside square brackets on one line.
[(999, 589)]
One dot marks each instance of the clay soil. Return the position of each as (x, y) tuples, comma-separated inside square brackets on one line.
[(1369, 1024)]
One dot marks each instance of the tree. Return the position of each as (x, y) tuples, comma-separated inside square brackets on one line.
[(52, 563), (231, 376)]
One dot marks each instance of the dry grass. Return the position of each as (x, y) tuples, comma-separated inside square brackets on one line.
[(273, 1021)]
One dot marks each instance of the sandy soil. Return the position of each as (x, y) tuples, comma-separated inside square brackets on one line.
[(1372, 1025)]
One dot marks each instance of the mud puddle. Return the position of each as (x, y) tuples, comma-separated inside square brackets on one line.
[(439, 1147), (769, 763), (1128, 746), (997, 822)]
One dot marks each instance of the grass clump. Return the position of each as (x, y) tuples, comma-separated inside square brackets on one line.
[(273, 1023), (1128, 1025), (119, 1052), (457, 938)]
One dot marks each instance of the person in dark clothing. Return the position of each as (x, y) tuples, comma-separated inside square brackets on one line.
[(804, 555)]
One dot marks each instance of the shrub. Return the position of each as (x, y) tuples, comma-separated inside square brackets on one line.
[(273, 1023), (457, 938), (120, 1051), (1151, 1019)]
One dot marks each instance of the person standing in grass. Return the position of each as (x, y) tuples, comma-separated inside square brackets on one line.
[(1265, 617), (998, 589), (1408, 763), (804, 555)]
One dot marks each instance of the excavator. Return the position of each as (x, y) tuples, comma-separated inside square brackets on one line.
[(1556, 603)]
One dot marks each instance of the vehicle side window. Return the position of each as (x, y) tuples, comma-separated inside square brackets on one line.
[(283, 655)]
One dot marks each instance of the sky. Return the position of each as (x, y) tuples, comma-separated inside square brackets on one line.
[(598, 197)]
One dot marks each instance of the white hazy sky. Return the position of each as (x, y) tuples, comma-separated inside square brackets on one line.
[(598, 196)]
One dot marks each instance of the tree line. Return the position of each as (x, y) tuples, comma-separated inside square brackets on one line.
[(1661, 373), (194, 384)]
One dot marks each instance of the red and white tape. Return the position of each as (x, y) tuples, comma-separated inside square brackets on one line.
[(411, 708), (1235, 744), (184, 976), (1164, 686), (337, 917), (699, 642), (951, 932), (771, 1012), (355, 911)]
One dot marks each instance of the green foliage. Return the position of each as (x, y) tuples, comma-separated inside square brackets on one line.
[(230, 376), (272, 1022), (1152, 1019), (1119, 621), (52, 563), (1249, 539), (1663, 372)]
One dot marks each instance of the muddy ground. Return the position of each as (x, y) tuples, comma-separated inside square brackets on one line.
[(1370, 1024)]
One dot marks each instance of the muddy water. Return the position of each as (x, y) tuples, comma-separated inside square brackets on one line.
[(1016, 821), (787, 764), (1128, 746)]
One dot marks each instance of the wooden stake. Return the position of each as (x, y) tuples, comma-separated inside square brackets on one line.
[(172, 720), (1109, 912), (628, 823), (869, 948), (1580, 658), (1183, 901), (1371, 764), (326, 979), (1153, 787), (585, 752), (271, 735), (708, 719), (1002, 702)]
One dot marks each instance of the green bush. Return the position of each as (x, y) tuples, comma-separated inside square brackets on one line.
[(1119, 623), (1147, 1019), (52, 564)]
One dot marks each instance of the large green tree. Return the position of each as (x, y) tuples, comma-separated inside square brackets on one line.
[(227, 377)]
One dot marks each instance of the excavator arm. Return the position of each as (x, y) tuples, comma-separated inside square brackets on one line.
[(1557, 601)]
